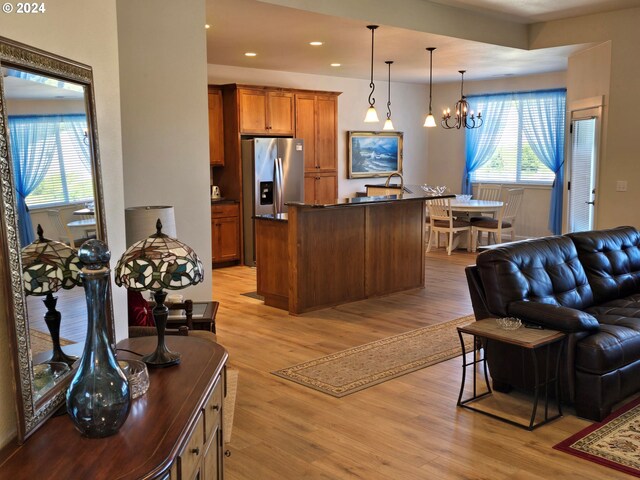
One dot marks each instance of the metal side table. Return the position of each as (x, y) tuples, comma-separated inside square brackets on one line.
[(533, 340)]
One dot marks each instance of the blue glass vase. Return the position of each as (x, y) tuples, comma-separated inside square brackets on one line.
[(98, 399)]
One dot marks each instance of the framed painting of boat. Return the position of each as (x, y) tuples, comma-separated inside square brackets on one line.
[(374, 154)]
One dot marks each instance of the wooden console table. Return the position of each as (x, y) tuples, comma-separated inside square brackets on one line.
[(174, 431)]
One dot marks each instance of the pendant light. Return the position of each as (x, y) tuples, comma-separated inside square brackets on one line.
[(430, 121), (372, 115), (388, 125), (464, 117)]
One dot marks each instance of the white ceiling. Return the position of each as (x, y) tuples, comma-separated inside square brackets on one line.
[(280, 36), (39, 88), (530, 11)]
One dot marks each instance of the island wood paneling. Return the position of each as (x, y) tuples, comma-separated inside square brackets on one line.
[(272, 262), (394, 247), (326, 257)]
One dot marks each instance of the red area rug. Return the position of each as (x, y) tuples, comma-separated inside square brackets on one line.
[(614, 442)]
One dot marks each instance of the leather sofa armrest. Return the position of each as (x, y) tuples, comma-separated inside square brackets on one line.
[(553, 316)]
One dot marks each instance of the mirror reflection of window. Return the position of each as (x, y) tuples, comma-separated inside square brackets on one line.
[(50, 149)]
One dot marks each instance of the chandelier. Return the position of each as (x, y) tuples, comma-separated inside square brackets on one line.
[(464, 117)]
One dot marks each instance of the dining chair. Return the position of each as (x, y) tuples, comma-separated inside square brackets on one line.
[(504, 223), (441, 220), (489, 191), (64, 233)]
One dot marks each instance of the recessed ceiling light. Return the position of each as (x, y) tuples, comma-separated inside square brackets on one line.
[(207, 25), (250, 54), (315, 44), (336, 64)]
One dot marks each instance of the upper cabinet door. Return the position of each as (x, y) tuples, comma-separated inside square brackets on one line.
[(280, 113), (326, 133), (306, 129), (253, 111), (266, 112), (216, 130)]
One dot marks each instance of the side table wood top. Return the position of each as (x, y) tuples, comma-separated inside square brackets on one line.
[(523, 337)]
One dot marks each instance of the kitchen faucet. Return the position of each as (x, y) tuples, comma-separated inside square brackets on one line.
[(396, 175)]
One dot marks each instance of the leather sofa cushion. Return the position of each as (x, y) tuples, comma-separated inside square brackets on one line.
[(545, 270), (611, 260), (616, 344)]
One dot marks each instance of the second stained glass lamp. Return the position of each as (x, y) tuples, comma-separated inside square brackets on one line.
[(159, 263)]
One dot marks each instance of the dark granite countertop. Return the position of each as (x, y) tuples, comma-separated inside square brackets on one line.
[(345, 202), (223, 201), (276, 217)]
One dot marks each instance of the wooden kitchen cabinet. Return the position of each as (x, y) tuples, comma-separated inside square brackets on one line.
[(253, 110), (225, 233), (320, 188), (266, 111), (216, 128), (316, 124)]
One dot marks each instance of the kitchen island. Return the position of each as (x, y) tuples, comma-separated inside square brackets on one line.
[(317, 256)]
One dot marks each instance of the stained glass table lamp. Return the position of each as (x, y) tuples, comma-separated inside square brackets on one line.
[(157, 263), (48, 266)]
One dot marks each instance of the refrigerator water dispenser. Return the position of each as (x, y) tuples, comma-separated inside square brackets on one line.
[(266, 193)]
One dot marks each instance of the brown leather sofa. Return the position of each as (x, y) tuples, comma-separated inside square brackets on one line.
[(585, 284)]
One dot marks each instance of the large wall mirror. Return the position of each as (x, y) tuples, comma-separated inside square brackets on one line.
[(50, 176)]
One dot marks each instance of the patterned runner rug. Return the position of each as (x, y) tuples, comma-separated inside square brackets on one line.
[(613, 442), (41, 341), (357, 368)]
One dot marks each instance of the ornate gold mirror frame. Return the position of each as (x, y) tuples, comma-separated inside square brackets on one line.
[(32, 409)]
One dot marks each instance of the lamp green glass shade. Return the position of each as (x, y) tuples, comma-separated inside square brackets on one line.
[(157, 263)]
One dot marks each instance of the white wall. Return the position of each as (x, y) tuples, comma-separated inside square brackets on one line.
[(620, 156), (409, 103), (447, 148), (165, 135), (588, 77), (85, 32)]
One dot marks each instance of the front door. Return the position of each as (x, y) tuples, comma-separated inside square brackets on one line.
[(582, 178)]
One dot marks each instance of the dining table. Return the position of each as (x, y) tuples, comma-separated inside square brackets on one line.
[(84, 211), (468, 209), (86, 225)]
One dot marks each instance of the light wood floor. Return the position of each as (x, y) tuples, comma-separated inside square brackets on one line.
[(406, 428)]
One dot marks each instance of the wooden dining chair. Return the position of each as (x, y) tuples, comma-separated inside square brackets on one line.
[(441, 220), (489, 191), (63, 232), (506, 221)]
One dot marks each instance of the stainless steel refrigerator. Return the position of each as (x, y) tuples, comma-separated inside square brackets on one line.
[(273, 174)]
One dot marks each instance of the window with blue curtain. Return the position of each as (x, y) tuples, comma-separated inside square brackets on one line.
[(65, 177), (521, 141)]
